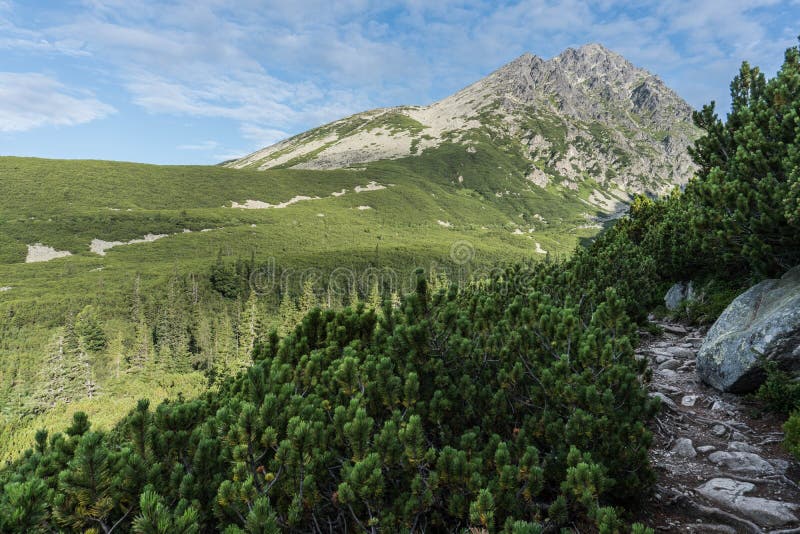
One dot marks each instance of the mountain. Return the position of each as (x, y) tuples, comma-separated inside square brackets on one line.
[(585, 116), (531, 161)]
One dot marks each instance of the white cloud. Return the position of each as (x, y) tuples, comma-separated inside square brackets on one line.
[(277, 67), (203, 146), (30, 100), (262, 136)]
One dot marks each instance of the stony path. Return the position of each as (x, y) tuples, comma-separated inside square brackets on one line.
[(718, 457)]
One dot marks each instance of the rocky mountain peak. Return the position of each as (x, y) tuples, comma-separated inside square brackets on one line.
[(586, 114)]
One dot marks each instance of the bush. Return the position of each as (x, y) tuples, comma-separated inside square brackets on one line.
[(474, 408), (792, 434)]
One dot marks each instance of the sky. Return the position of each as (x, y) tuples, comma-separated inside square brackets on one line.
[(203, 81)]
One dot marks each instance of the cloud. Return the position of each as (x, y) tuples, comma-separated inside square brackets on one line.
[(203, 146), (31, 100), (275, 68), (262, 136)]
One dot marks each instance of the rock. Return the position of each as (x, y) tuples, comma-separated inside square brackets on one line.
[(780, 465), (742, 462), (720, 405), (683, 448), (670, 364), (661, 358), (731, 494), (762, 321), (665, 401), (674, 329), (666, 373), (705, 448), (738, 436), (679, 294), (741, 446), (689, 400), (681, 352), (719, 430)]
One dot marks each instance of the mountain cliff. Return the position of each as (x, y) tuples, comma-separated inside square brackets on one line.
[(587, 115)]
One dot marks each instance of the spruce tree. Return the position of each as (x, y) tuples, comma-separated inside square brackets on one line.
[(89, 330)]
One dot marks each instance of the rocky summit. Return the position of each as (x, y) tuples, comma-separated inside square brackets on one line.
[(587, 117)]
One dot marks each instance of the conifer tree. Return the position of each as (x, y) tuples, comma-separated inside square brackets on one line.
[(374, 299), (89, 330), (117, 353), (287, 313), (249, 326), (747, 189), (54, 379), (308, 298)]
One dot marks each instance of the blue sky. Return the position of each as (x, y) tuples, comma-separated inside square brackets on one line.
[(200, 81)]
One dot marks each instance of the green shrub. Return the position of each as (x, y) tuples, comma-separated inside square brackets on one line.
[(455, 408), (791, 438), (780, 391)]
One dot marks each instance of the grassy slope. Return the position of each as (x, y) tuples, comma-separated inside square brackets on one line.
[(66, 204)]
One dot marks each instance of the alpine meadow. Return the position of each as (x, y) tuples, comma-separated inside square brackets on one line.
[(558, 300)]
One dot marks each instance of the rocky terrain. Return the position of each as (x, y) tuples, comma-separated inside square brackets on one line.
[(718, 457), (586, 116)]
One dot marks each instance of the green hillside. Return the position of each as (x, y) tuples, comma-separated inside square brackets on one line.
[(423, 216), (514, 403)]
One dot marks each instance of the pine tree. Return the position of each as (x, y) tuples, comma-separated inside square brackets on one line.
[(374, 299), (54, 378), (142, 352), (75, 363), (156, 518), (86, 488), (747, 187), (249, 327), (24, 507), (89, 330), (287, 313), (117, 353), (308, 298), (353, 298), (332, 300)]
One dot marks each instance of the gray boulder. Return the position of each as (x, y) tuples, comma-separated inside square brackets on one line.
[(678, 294), (764, 321), (683, 447), (742, 462), (731, 494)]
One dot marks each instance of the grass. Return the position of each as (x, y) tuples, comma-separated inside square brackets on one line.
[(66, 204)]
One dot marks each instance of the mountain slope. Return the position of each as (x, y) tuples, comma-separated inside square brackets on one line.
[(585, 116), (529, 161)]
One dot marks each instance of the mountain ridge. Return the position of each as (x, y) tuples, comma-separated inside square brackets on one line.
[(585, 114)]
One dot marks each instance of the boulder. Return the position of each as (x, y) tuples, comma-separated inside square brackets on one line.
[(683, 447), (743, 462), (731, 495), (669, 364), (764, 321), (741, 446), (679, 294)]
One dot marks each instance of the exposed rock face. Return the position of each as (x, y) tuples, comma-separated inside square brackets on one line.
[(679, 293), (764, 322), (587, 112), (742, 462), (730, 494)]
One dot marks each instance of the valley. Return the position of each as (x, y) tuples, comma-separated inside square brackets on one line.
[(524, 164), (528, 307)]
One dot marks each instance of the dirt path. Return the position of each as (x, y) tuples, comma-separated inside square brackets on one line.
[(718, 457)]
